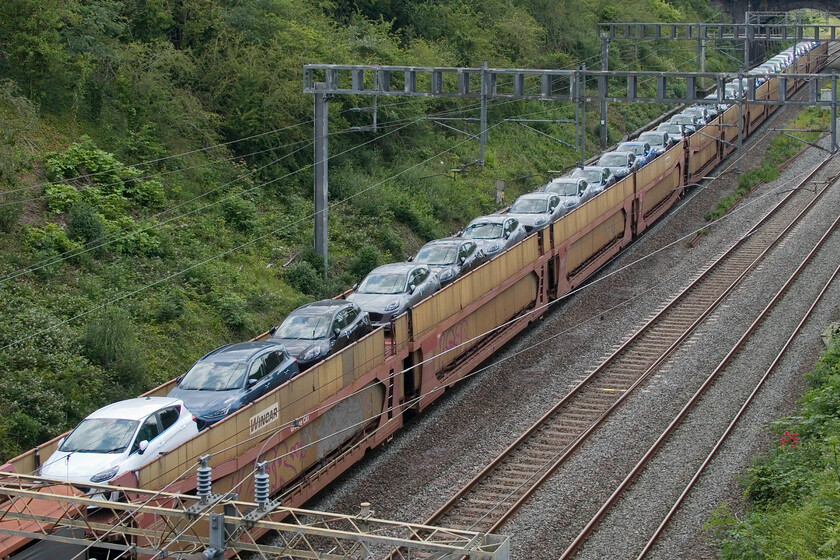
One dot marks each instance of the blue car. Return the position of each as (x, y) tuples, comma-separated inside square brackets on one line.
[(231, 377)]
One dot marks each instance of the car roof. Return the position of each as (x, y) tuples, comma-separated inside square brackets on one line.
[(243, 351), (322, 307), (575, 180), (539, 194), (632, 143), (490, 218), (610, 153), (397, 267), (446, 241), (592, 168), (134, 409)]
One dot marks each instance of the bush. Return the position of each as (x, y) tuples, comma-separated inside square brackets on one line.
[(9, 215), (110, 342), (303, 277), (240, 214), (84, 223), (233, 311), (170, 306), (365, 260)]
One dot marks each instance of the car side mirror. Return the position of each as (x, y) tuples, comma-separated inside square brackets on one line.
[(355, 286), (251, 382), (60, 442), (272, 330), (179, 379), (507, 234), (336, 331), (410, 259), (462, 259), (142, 446), (411, 288)]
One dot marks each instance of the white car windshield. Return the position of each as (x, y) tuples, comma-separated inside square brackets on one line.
[(484, 230), (568, 188), (652, 138), (306, 327), (530, 206), (613, 160), (437, 254), (383, 283), (215, 376), (100, 435), (682, 119)]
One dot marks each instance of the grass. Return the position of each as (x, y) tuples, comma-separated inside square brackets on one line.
[(780, 150)]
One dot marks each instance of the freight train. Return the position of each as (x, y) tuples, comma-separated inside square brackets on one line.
[(318, 424)]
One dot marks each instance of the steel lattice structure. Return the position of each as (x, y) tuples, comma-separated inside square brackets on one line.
[(160, 524)]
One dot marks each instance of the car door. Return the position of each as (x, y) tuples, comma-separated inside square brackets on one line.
[(258, 378), (355, 326), (339, 331), (148, 432), (418, 278)]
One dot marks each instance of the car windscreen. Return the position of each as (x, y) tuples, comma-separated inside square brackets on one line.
[(383, 283), (437, 254), (530, 206), (484, 230), (670, 128), (682, 119), (568, 188), (208, 375), (636, 149), (652, 138), (308, 327), (100, 435), (613, 160)]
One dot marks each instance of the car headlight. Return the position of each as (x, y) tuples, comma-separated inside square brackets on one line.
[(312, 353), (570, 203), (446, 274), (105, 476), (539, 222), (393, 305), (493, 248), (218, 413)]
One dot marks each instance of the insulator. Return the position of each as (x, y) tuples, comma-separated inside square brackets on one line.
[(261, 487), (204, 478)]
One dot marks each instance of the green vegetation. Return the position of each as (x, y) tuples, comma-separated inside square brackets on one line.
[(781, 149), (792, 492), (155, 169)]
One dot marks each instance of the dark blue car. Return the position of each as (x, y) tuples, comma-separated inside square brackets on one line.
[(231, 377)]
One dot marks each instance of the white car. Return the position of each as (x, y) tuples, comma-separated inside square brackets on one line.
[(118, 438)]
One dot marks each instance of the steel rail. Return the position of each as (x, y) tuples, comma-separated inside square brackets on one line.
[(634, 472), (737, 417), (558, 458)]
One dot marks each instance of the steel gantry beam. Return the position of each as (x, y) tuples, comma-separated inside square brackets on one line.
[(484, 83), (775, 32), (163, 525)]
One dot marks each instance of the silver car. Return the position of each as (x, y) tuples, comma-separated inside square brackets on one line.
[(599, 178), (389, 290), (675, 131), (702, 113), (536, 210), (659, 141), (573, 191), (620, 163), (495, 233), (690, 122), (450, 257)]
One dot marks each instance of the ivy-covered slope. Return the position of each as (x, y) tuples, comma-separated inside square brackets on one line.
[(155, 169)]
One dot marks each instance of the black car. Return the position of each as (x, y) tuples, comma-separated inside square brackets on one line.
[(313, 331), (450, 257)]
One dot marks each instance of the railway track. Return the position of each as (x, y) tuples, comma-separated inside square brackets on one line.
[(487, 501), (694, 403)]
